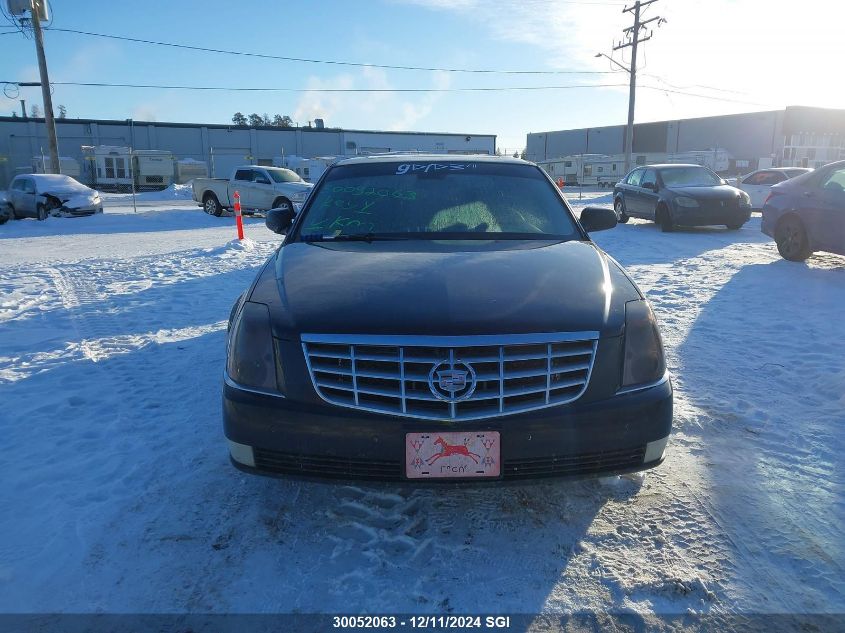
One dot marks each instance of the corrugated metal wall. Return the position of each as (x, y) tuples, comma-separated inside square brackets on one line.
[(221, 146)]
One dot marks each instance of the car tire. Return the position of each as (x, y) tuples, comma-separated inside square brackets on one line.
[(791, 239), (282, 203), (41, 212), (619, 207), (14, 215), (4, 219), (211, 205), (736, 226), (664, 219)]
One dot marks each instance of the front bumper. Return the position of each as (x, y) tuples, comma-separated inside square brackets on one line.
[(705, 216), (77, 212), (272, 435)]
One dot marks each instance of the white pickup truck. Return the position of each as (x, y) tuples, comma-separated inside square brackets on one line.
[(260, 188)]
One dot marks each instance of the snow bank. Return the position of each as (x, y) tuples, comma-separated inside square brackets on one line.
[(173, 192)]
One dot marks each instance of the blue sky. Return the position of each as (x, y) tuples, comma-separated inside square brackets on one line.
[(728, 50)]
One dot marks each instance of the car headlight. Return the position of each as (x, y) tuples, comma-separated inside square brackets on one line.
[(744, 199), (686, 201), (251, 359), (644, 360)]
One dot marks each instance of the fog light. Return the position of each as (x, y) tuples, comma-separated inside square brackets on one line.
[(242, 453), (654, 451)]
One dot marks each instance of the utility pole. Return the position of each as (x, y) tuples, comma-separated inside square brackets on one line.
[(38, 6), (633, 33)]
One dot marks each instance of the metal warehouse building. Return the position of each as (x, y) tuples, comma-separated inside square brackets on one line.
[(797, 136), (220, 146)]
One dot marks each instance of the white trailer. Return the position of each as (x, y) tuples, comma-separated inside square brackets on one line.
[(67, 166), (187, 169), (112, 168), (153, 169), (309, 169), (607, 170)]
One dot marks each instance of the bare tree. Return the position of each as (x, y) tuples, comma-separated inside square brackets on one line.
[(238, 119), (35, 112), (62, 111)]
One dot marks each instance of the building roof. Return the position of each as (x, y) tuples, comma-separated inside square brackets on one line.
[(231, 126)]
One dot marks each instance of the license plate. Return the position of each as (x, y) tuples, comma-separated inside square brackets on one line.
[(452, 454)]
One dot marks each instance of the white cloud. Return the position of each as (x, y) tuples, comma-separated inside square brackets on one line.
[(377, 110), (760, 55)]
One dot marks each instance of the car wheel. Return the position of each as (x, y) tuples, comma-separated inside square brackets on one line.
[(619, 207), (791, 239), (282, 203), (735, 226), (664, 219), (4, 219), (41, 212), (212, 206), (15, 215)]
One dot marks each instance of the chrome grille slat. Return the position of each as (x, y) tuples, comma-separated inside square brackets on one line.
[(390, 375)]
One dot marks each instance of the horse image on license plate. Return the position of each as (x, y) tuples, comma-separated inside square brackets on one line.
[(454, 454)]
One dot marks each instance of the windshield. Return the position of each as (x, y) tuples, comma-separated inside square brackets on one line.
[(437, 200), (283, 175), (689, 177), (791, 173)]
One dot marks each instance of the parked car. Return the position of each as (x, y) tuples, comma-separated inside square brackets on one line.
[(260, 188), (758, 183), (807, 213), (442, 318), (41, 195), (680, 195)]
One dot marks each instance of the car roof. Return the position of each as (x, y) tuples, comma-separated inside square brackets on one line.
[(409, 157), (50, 179)]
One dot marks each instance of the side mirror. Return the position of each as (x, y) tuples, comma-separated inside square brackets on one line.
[(279, 220), (597, 219)]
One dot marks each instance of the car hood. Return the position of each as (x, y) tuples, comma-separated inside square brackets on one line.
[(441, 288), (75, 201), (719, 192), (295, 186)]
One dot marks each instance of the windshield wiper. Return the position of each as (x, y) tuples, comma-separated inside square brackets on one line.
[(353, 237)]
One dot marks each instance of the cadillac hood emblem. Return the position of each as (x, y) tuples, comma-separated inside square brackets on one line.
[(452, 381)]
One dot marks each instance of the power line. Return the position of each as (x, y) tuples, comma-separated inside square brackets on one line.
[(275, 89), (711, 97), (333, 62), (376, 90)]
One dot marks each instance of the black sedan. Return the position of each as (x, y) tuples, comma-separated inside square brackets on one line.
[(680, 195), (429, 318)]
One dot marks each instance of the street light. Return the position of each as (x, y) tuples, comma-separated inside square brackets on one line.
[(623, 67)]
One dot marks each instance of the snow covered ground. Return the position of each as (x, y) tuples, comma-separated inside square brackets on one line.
[(117, 494)]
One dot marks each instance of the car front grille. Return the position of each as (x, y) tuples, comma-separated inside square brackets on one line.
[(718, 206), (581, 464), (450, 378), (326, 465)]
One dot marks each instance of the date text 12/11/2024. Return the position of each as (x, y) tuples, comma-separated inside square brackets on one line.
[(433, 622)]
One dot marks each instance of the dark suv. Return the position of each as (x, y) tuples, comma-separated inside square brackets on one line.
[(680, 195), (442, 318)]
